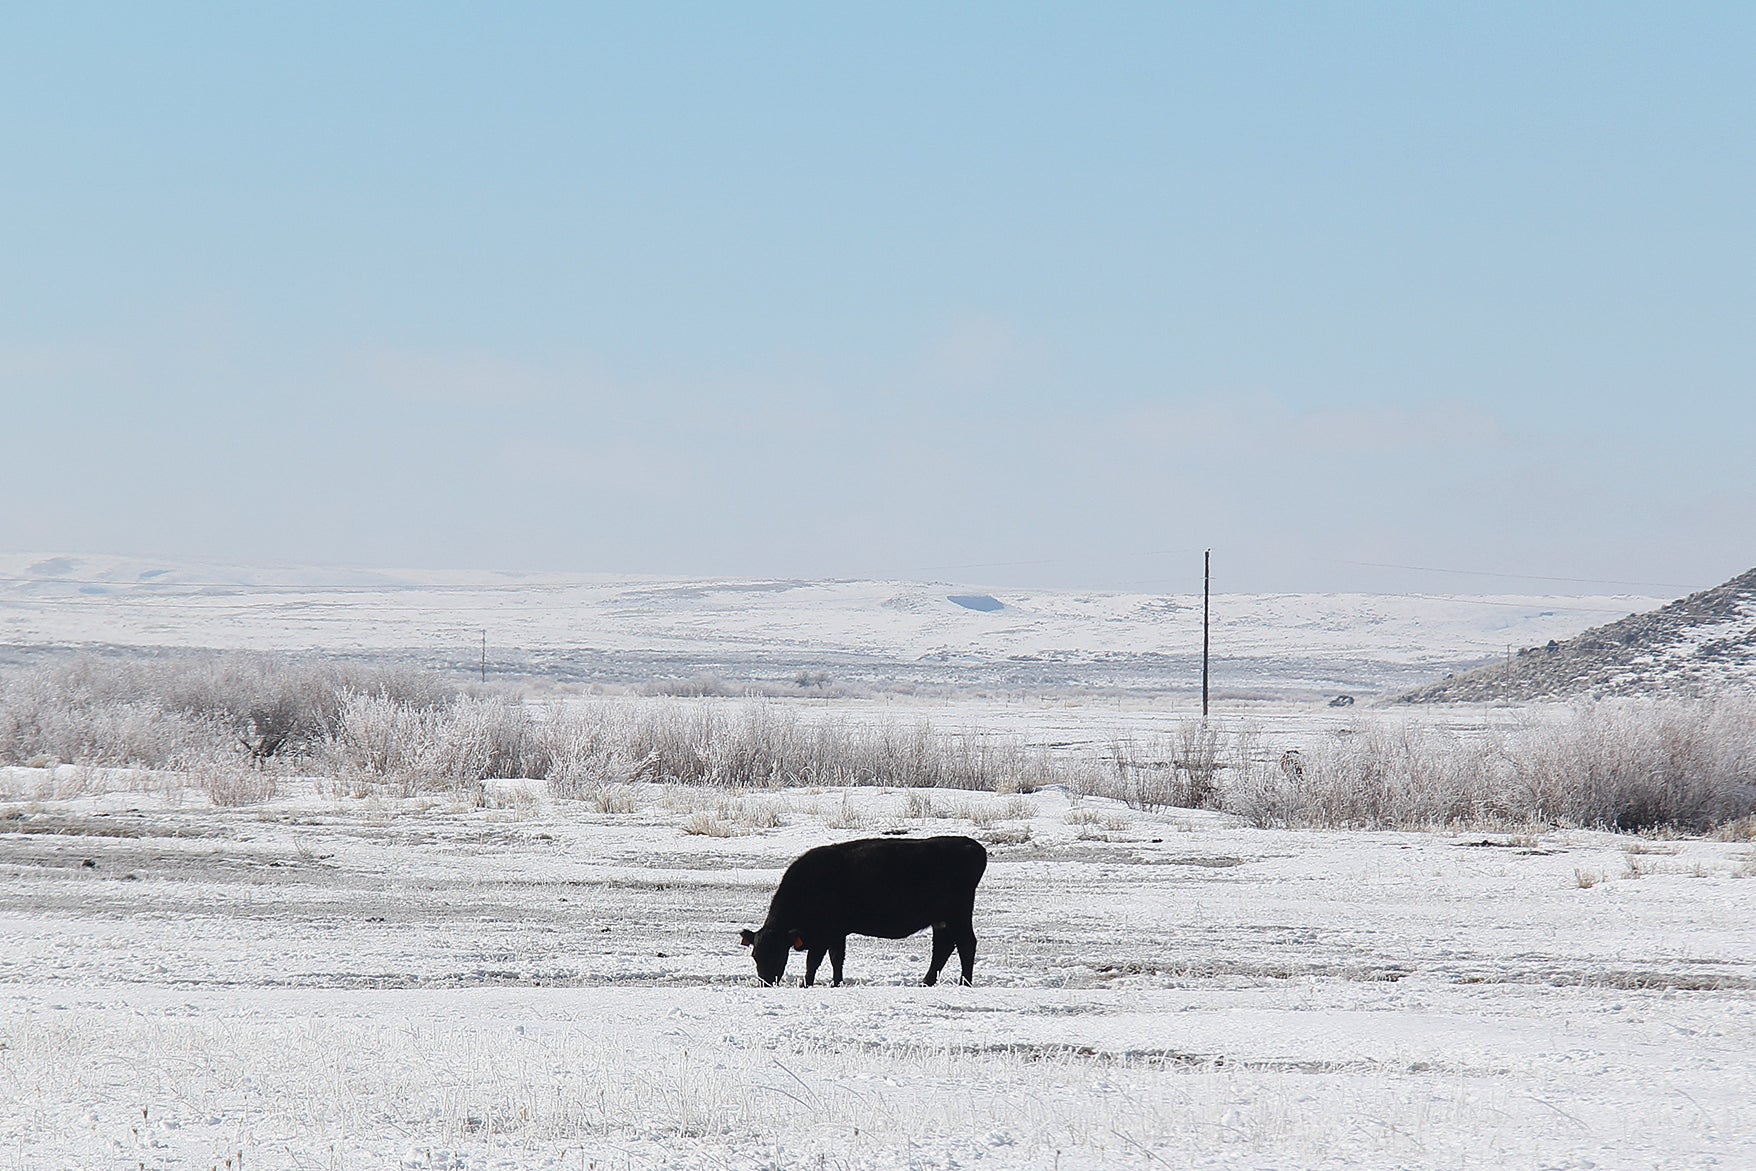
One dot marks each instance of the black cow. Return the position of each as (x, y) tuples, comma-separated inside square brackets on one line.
[(887, 887)]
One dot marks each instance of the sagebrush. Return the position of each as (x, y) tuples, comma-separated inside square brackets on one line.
[(1609, 764), (1687, 765)]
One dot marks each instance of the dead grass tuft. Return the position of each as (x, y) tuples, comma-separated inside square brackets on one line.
[(612, 799), (1742, 829), (1098, 819), (708, 825)]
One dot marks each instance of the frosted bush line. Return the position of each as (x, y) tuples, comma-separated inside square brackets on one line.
[(583, 749), (211, 717), (175, 710), (229, 725), (1614, 764)]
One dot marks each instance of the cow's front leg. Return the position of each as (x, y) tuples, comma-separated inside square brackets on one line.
[(813, 957), (838, 950)]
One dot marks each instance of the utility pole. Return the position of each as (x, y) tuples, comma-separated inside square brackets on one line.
[(1206, 592), (484, 656)]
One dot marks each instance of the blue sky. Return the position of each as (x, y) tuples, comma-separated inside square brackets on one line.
[(1005, 294)]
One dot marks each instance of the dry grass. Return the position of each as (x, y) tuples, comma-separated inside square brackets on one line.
[(235, 786), (612, 799), (715, 813), (1098, 819), (1177, 771), (847, 815), (922, 805), (975, 810), (1742, 829), (709, 825)]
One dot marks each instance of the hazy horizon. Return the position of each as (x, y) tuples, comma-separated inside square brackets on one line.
[(72, 567)]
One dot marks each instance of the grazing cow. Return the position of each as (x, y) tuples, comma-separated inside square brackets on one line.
[(886, 887)]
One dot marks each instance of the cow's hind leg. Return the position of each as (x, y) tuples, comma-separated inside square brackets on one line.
[(838, 950), (944, 943), (966, 952)]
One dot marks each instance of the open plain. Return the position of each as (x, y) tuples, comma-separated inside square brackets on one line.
[(326, 981)]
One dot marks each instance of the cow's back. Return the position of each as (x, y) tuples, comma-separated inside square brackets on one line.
[(887, 887)]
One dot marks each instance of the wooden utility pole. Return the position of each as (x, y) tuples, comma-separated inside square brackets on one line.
[(484, 656), (1206, 592)]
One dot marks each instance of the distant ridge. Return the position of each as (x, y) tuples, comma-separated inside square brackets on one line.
[(630, 629), (1696, 645)]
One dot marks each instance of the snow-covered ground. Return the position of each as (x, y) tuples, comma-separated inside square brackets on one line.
[(335, 981), (328, 981), (869, 632)]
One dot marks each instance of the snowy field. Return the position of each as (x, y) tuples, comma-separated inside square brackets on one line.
[(332, 982)]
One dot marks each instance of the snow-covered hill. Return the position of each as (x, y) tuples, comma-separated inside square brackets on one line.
[(889, 632), (1697, 644)]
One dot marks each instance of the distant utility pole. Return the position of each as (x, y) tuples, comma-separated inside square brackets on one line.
[(1206, 592), (484, 656)]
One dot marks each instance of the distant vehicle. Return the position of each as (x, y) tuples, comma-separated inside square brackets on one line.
[(885, 887), (1342, 701)]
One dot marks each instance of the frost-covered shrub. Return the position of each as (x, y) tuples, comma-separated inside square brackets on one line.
[(1179, 771), (1612, 764), (170, 710), (1640, 764), (1381, 775), (379, 738), (233, 783), (771, 745), (1620, 764)]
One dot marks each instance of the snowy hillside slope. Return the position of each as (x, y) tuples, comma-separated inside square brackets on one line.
[(625, 628), (1694, 645)]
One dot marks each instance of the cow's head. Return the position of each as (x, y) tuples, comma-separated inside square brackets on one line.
[(769, 947)]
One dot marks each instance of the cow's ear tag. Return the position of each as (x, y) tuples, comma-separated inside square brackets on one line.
[(798, 942)]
